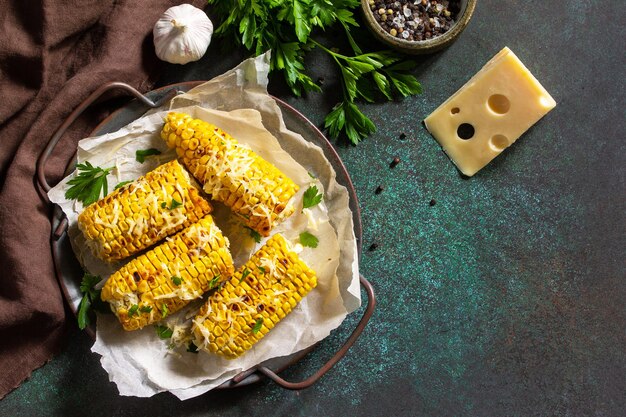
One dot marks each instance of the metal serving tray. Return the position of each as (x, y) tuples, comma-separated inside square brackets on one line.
[(69, 272)]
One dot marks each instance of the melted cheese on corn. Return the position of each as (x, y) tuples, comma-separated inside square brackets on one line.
[(168, 277), (254, 189), (138, 215), (260, 294)]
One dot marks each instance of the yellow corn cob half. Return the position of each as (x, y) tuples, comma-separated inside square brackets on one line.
[(254, 189), (166, 278), (258, 296), (139, 214)]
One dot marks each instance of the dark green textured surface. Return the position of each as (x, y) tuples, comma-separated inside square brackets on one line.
[(507, 297)]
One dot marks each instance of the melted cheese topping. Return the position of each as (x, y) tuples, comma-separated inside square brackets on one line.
[(237, 169)]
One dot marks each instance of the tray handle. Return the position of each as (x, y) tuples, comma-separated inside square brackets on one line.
[(43, 158), (367, 314)]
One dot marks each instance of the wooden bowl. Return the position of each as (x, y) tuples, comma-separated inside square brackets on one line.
[(420, 47)]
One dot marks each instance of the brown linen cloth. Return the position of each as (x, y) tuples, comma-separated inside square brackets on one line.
[(53, 54)]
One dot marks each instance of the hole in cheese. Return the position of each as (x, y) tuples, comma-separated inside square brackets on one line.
[(455, 110), (499, 142), (465, 131), (499, 104)]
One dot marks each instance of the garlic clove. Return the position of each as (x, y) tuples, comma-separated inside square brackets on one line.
[(182, 34)]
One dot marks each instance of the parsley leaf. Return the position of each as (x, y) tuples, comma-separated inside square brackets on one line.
[(174, 204), (214, 280), (88, 184), (347, 117), (311, 197), (254, 234), (90, 301), (145, 309), (289, 57), (121, 184), (164, 310), (262, 269), (83, 312), (133, 310), (244, 274), (257, 325), (177, 280), (141, 154), (164, 332), (88, 282), (309, 240)]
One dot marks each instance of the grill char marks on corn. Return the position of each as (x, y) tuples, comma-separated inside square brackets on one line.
[(255, 190), (258, 296), (172, 274), (143, 212)]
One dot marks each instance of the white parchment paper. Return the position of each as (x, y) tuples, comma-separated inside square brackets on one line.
[(139, 362)]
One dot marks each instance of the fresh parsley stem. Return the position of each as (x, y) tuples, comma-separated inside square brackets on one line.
[(336, 56)]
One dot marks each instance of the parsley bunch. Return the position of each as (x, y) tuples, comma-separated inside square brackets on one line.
[(286, 26)]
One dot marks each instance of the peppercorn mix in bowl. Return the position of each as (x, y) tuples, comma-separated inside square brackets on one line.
[(417, 26)]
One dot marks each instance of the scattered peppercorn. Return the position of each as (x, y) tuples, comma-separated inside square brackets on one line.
[(414, 20), (432, 202), (379, 189), (402, 136), (373, 246), (395, 162)]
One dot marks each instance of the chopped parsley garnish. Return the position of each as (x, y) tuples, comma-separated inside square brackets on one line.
[(214, 280), (90, 182), (177, 280), (245, 273), (311, 197), (145, 309), (164, 332), (262, 269), (309, 240), (192, 348), (257, 326), (254, 234), (123, 183), (174, 204), (90, 301), (133, 311), (141, 154), (164, 310)]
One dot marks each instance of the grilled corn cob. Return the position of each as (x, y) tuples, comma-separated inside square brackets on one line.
[(254, 189), (141, 213), (258, 296), (167, 277)]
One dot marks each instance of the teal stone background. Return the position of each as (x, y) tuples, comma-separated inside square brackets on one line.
[(505, 298)]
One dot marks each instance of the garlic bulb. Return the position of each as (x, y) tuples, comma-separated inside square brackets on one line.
[(182, 34)]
